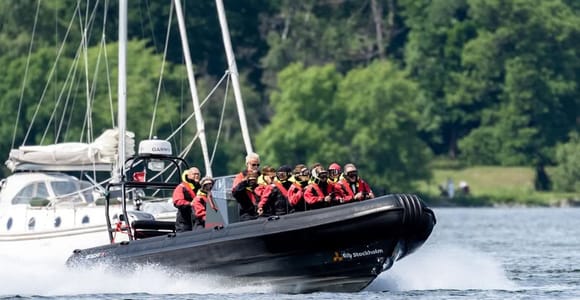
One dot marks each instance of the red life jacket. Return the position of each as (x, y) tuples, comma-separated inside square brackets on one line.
[(179, 198), (282, 189), (361, 186)]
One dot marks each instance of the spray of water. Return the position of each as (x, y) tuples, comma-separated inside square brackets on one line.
[(42, 272), (444, 267)]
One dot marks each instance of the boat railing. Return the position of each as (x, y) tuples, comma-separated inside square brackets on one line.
[(127, 184)]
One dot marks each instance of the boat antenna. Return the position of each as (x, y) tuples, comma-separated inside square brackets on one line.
[(192, 87), (234, 75)]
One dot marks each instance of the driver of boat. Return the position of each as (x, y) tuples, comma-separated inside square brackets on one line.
[(183, 194)]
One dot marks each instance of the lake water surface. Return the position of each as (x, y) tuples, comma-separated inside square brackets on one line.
[(473, 253)]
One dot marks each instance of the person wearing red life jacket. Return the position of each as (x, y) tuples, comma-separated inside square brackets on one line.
[(245, 195), (321, 192), (334, 171), (183, 194), (296, 190), (264, 188), (200, 202), (274, 198), (252, 163), (354, 187), (265, 184)]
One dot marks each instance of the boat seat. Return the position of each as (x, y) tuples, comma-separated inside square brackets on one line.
[(148, 228)]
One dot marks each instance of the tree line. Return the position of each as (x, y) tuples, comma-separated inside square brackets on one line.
[(386, 84)]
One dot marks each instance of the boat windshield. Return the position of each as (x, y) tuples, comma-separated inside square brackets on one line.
[(87, 190), (34, 190), (67, 191)]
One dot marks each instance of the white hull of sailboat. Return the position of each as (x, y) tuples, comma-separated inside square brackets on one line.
[(56, 234)]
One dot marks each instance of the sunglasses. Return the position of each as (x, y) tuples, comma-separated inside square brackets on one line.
[(352, 174), (304, 172), (255, 165), (333, 172)]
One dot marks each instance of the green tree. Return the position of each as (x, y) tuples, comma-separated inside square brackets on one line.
[(57, 111), (379, 126), (439, 31), (344, 33), (524, 65), (567, 172), (301, 129), (368, 117)]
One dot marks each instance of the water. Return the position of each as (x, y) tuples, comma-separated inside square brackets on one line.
[(495, 253)]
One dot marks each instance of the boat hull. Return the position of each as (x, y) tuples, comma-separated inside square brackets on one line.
[(336, 249)]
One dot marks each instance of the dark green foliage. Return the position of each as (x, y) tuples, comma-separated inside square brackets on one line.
[(566, 176), (484, 81)]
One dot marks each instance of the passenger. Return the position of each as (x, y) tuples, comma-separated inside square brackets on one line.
[(183, 194), (200, 201), (312, 168), (264, 181), (283, 184), (264, 188), (321, 192), (245, 195), (274, 201), (252, 163), (267, 176), (354, 187), (296, 190), (334, 171)]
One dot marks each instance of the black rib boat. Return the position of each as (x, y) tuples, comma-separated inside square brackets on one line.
[(335, 249)]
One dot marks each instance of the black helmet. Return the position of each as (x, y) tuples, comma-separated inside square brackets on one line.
[(285, 169)]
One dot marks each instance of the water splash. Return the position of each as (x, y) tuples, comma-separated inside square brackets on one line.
[(44, 273), (444, 267)]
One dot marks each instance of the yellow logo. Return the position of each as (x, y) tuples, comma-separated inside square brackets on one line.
[(337, 257)]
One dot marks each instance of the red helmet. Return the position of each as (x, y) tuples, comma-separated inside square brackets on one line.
[(335, 166)]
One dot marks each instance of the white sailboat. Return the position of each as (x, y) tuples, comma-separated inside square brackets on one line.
[(38, 203)]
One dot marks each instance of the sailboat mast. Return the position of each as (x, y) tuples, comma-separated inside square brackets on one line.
[(192, 87), (234, 75), (122, 86)]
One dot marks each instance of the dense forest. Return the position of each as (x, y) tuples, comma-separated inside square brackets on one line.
[(386, 84)]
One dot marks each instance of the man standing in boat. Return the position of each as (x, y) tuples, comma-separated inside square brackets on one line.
[(243, 187), (252, 163), (183, 194), (354, 187), (200, 201), (244, 193)]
